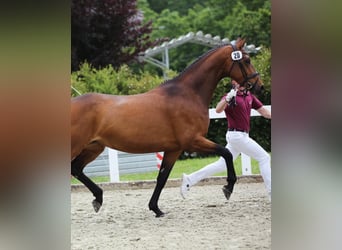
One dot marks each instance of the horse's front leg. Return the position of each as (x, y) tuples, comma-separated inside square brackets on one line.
[(202, 144), (169, 160)]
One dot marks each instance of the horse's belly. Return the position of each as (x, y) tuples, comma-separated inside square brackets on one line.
[(143, 140)]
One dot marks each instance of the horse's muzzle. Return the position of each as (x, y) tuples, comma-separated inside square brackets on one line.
[(257, 89)]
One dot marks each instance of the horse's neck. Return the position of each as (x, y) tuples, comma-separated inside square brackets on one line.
[(205, 74)]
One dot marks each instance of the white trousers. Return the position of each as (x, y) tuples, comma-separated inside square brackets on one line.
[(238, 142)]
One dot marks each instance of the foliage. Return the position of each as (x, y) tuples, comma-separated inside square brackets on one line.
[(254, 25), (183, 6), (108, 80), (261, 127), (262, 63), (226, 18), (107, 32), (173, 5)]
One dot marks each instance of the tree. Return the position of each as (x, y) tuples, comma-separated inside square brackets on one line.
[(226, 18), (255, 25), (107, 32), (173, 5)]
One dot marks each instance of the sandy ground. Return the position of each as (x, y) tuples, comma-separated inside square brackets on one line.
[(204, 220)]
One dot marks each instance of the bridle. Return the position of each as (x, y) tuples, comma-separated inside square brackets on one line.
[(246, 82)]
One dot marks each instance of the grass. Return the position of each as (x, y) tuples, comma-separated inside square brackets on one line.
[(181, 166)]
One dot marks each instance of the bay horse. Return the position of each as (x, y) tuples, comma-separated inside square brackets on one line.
[(172, 117)]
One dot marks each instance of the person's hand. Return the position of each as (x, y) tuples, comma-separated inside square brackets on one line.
[(230, 95)]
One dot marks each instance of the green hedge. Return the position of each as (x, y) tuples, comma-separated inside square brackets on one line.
[(110, 81)]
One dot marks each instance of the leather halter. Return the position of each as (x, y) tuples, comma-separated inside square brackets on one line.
[(249, 85)]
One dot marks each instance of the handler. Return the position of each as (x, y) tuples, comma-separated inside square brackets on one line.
[(237, 105)]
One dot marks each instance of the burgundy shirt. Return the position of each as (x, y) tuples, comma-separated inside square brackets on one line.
[(238, 117)]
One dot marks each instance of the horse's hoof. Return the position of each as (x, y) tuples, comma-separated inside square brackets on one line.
[(226, 192), (97, 205), (160, 214)]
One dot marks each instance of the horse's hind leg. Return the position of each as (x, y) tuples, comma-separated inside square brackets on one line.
[(231, 175), (204, 145), (95, 189), (169, 160), (77, 165)]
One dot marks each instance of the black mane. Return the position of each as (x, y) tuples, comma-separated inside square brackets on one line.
[(195, 62)]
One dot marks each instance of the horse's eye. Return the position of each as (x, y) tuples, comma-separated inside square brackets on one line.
[(248, 60)]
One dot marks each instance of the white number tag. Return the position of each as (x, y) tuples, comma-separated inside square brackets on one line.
[(236, 55)]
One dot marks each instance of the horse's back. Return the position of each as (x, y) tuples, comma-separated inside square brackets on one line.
[(89, 104), (87, 99)]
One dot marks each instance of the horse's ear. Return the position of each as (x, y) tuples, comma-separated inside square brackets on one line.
[(240, 42)]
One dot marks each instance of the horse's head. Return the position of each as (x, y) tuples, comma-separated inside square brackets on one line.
[(241, 69)]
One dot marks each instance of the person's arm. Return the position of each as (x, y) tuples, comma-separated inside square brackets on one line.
[(264, 112), (221, 105)]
